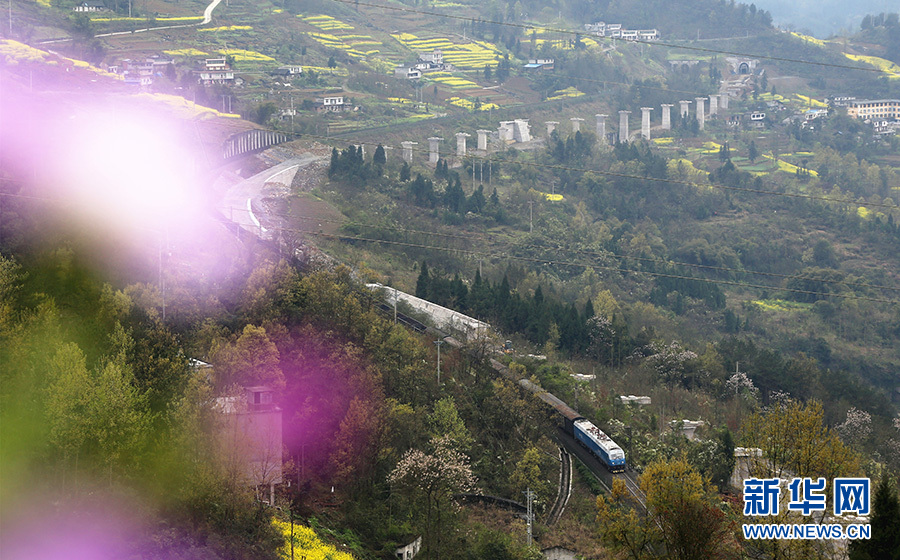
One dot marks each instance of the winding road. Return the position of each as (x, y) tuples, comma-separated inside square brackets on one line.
[(207, 17), (242, 202)]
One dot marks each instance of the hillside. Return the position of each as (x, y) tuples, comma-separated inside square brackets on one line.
[(738, 268)]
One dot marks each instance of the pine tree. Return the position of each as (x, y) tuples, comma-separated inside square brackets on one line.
[(885, 523), (333, 167), (422, 282), (476, 202), (405, 172), (454, 197), (379, 158), (495, 200)]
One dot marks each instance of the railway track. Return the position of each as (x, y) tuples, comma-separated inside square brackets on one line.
[(415, 325), (633, 488), (565, 487)]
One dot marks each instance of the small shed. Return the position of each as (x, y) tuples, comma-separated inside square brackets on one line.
[(558, 553)]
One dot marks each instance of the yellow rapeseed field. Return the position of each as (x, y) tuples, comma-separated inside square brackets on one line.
[(789, 167), (241, 55), (186, 52), (808, 39), (306, 543), (892, 70), (563, 93)]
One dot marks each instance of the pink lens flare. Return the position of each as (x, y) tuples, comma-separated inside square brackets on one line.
[(125, 169)]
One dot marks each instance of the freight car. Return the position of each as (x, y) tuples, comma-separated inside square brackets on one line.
[(585, 433)]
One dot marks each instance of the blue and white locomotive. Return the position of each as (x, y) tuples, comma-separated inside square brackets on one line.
[(599, 444)]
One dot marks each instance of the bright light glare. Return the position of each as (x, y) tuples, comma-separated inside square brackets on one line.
[(125, 170)]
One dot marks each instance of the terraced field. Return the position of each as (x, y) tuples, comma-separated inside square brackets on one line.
[(469, 104), (565, 41), (473, 55), (565, 93), (331, 36)]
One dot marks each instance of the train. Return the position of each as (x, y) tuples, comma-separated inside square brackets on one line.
[(583, 430), (580, 428)]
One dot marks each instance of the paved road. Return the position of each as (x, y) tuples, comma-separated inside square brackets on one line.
[(207, 17), (242, 202)]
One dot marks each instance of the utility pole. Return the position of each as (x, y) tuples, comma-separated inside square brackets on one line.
[(162, 290), (162, 277), (530, 216), (439, 342), (530, 498)]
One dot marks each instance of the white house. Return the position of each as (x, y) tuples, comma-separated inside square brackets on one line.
[(215, 71), (90, 6), (288, 70), (332, 103), (408, 72)]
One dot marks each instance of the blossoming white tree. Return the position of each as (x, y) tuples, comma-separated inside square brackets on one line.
[(430, 480)]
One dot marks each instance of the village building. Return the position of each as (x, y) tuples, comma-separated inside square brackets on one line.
[(409, 551), (249, 431), (142, 82), (289, 70), (426, 62), (332, 104), (867, 109), (884, 128), (408, 72), (540, 64), (616, 30), (215, 71), (841, 101), (90, 6), (812, 114)]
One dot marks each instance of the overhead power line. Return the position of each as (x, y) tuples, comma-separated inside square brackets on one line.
[(559, 261), (563, 262), (610, 254)]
